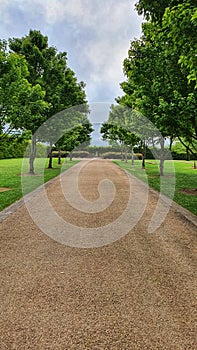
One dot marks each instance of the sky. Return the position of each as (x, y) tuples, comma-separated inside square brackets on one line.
[(96, 35)]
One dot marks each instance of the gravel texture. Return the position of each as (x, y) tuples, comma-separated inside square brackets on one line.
[(137, 293)]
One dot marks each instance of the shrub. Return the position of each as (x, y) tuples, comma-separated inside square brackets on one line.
[(112, 155), (118, 155), (99, 150), (182, 156), (80, 154), (12, 146), (64, 154)]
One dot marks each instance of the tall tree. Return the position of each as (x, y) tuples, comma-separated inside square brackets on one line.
[(75, 137), (48, 72), (21, 104), (119, 128), (179, 30), (157, 83), (13, 84)]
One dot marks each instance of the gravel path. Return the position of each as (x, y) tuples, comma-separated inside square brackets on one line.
[(137, 293)]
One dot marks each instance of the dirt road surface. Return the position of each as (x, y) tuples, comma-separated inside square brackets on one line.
[(138, 292)]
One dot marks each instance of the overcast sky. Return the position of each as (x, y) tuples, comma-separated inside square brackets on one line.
[(96, 34)]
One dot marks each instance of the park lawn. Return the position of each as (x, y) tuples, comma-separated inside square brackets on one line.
[(185, 178), (10, 177)]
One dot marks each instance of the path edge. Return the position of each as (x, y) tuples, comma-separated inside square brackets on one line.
[(183, 212)]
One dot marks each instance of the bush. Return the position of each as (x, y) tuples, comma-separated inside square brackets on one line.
[(112, 155), (99, 150), (118, 155), (182, 156), (64, 154), (80, 154), (12, 146)]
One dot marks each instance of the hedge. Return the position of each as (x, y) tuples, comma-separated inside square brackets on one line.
[(118, 155), (75, 154), (12, 146)]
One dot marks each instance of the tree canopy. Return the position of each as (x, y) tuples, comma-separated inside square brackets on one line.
[(35, 84), (161, 68)]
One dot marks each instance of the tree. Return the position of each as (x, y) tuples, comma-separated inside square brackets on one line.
[(119, 127), (49, 75), (155, 9), (62, 92), (184, 147), (21, 104), (158, 86), (13, 85), (175, 38), (74, 137), (13, 145), (161, 71), (34, 47), (179, 29)]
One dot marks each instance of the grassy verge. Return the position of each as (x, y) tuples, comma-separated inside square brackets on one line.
[(10, 177), (185, 178)]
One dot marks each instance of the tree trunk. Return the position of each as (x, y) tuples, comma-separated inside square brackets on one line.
[(32, 155), (122, 154), (161, 167), (162, 159), (126, 156), (144, 156), (195, 166), (187, 154), (132, 157), (143, 162), (50, 166), (59, 157), (71, 156), (171, 142)]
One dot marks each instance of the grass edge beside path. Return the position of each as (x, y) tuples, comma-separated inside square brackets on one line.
[(186, 178), (10, 177)]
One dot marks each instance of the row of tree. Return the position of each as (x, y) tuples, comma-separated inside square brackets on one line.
[(161, 75), (35, 85)]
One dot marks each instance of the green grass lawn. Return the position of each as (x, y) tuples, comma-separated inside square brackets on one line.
[(185, 178), (10, 170)]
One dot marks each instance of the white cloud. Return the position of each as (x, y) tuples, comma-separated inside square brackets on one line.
[(95, 33), (57, 10), (107, 51), (3, 4)]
